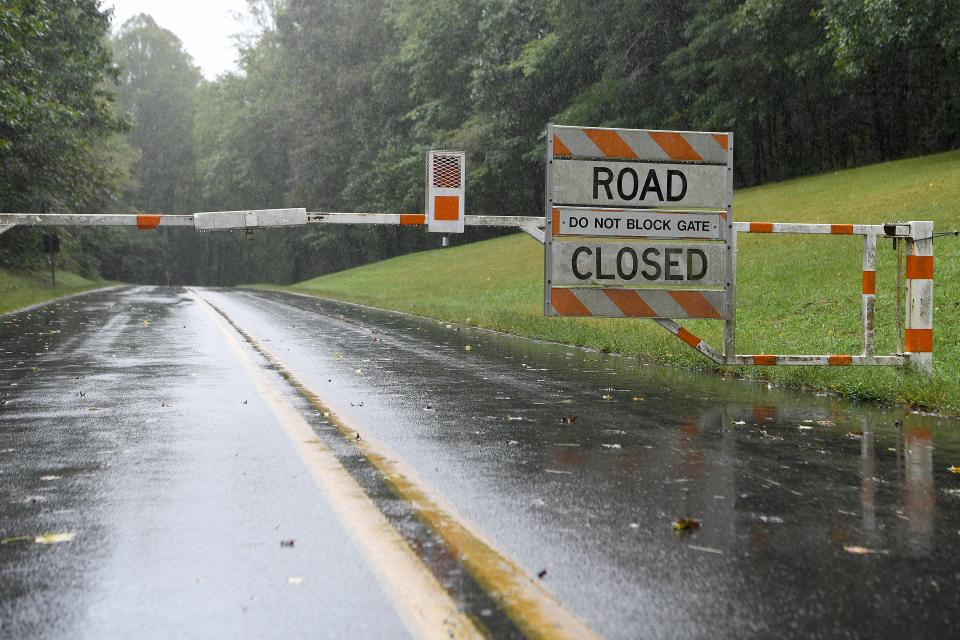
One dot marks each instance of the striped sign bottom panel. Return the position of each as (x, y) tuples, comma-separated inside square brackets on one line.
[(637, 303)]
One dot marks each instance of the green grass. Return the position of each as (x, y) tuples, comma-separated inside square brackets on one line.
[(20, 289), (796, 294)]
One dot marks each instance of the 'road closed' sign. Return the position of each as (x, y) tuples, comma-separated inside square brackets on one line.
[(637, 218), (625, 263)]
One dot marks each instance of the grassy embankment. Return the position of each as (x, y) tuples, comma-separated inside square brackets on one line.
[(796, 294), (20, 289)]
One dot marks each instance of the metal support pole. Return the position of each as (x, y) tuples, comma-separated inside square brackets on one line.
[(898, 247), (730, 322), (869, 298), (548, 228)]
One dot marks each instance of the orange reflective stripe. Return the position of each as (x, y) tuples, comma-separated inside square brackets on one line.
[(675, 145), (721, 139), (567, 304), (446, 208), (920, 267), (761, 227), (148, 221), (918, 340), (610, 143), (841, 229), (695, 304), (556, 220), (870, 282), (689, 338), (763, 412), (764, 360), (413, 218), (630, 303), (841, 361), (560, 149)]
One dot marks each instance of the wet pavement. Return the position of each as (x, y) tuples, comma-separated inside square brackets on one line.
[(818, 517)]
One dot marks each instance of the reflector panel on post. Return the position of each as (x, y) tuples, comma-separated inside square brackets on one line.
[(445, 191)]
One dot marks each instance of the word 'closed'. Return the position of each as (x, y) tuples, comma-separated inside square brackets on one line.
[(634, 264)]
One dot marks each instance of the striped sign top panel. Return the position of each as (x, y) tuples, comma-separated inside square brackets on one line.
[(640, 145)]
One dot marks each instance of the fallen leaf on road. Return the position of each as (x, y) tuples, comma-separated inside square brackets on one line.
[(740, 422), (94, 408), (568, 420), (862, 551), (467, 348), (855, 435), (638, 398), (953, 469), (607, 397), (54, 538), (286, 543), (686, 524), (825, 423)]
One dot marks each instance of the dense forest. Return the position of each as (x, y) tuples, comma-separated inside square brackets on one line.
[(338, 100)]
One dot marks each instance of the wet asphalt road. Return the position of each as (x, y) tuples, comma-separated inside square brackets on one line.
[(128, 420)]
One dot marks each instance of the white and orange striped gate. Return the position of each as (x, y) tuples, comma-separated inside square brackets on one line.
[(639, 224)]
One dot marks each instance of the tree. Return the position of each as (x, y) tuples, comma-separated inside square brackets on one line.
[(58, 124), (158, 87)]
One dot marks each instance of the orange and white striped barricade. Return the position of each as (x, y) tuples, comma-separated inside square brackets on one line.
[(639, 225)]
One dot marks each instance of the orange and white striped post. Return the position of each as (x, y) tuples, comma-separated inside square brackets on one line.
[(869, 295), (918, 328)]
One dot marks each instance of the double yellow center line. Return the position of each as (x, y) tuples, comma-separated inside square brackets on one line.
[(421, 601)]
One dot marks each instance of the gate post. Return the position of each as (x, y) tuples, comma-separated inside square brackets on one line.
[(918, 327)]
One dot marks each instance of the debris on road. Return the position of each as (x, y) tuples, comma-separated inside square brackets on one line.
[(686, 524), (46, 538), (863, 551), (286, 543)]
